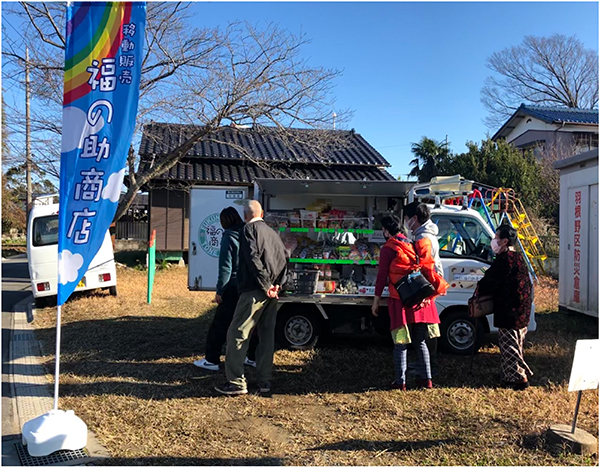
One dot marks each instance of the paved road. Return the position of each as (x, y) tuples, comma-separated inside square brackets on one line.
[(15, 288)]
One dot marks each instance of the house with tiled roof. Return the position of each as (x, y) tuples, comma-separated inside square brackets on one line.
[(236, 156), (540, 128)]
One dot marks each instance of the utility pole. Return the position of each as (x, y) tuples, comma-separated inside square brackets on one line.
[(27, 134)]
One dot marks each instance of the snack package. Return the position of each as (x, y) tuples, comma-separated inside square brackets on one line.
[(349, 220), (354, 253), (294, 218), (374, 249), (308, 218), (344, 252), (361, 221), (322, 220), (364, 251), (335, 219)]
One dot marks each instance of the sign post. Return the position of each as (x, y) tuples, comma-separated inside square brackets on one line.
[(584, 376), (151, 263), (103, 56)]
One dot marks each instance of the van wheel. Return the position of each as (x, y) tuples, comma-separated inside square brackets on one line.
[(459, 333), (298, 329), (112, 290)]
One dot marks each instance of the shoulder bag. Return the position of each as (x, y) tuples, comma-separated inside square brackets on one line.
[(480, 306), (414, 287)]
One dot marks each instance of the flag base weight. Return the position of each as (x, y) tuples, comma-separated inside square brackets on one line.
[(52, 431)]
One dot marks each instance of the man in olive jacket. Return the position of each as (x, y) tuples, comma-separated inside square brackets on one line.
[(261, 273)]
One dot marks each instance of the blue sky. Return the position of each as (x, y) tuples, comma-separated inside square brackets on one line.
[(410, 69)]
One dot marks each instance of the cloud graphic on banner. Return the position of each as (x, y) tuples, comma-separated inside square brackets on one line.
[(76, 121), (112, 189), (68, 266)]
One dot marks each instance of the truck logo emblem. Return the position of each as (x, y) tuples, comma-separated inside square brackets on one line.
[(209, 235)]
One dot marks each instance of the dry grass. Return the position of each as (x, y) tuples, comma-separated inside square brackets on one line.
[(127, 372), (546, 295)]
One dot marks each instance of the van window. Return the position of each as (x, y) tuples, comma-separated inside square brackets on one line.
[(461, 236), (45, 231)]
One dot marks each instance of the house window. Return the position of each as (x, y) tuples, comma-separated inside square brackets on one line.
[(536, 147), (585, 141)]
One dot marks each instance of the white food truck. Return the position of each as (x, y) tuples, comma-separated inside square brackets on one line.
[(42, 255), (332, 233)]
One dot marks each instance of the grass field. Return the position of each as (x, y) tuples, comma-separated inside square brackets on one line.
[(127, 372)]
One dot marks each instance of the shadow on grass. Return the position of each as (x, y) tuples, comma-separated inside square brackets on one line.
[(189, 461), (388, 446), (132, 348)]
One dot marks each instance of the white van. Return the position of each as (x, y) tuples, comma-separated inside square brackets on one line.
[(42, 254)]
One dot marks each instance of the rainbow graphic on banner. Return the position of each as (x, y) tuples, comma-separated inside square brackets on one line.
[(103, 57), (108, 27)]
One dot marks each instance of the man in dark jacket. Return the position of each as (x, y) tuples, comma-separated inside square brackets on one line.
[(260, 276)]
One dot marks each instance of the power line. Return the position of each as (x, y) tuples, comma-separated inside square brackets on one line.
[(4, 20)]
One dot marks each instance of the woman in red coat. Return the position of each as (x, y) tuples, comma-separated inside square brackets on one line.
[(398, 257)]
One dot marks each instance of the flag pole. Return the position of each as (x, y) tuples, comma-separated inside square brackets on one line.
[(57, 358)]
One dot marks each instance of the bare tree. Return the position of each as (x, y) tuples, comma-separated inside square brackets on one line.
[(555, 70), (239, 75)]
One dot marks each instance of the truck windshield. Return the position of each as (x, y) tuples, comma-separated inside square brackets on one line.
[(462, 236), (45, 231)]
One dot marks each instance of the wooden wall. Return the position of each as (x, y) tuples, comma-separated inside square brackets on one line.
[(169, 216)]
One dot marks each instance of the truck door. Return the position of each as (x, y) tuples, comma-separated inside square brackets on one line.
[(206, 204)]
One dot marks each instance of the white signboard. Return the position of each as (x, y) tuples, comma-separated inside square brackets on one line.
[(206, 231), (584, 373)]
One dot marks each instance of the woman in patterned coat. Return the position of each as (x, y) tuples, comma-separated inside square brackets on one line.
[(508, 282)]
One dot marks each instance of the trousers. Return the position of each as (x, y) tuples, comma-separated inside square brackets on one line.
[(254, 310), (217, 332)]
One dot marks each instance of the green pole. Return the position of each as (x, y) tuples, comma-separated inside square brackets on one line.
[(151, 263)]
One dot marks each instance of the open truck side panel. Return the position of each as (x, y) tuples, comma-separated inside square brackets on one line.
[(206, 204)]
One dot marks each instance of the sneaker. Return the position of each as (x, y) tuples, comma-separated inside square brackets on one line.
[(204, 364), (424, 383), (231, 389), (264, 388), (398, 386), (249, 362)]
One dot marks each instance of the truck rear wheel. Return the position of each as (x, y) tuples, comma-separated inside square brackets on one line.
[(459, 333), (112, 290), (298, 328)]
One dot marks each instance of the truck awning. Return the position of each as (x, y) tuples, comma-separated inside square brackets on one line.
[(372, 188)]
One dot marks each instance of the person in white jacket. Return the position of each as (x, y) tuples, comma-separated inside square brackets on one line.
[(417, 221)]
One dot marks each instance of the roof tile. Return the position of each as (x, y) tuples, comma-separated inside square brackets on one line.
[(247, 172), (264, 143)]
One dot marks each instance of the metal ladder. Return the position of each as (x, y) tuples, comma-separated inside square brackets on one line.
[(505, 203)]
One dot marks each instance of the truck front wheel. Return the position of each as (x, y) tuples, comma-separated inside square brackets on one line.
[(459, 333), (298, 329)]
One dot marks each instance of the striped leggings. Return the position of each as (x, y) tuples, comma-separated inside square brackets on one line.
[(418, 334)]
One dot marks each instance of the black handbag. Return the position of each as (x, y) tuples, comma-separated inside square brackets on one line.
[(414, 287)]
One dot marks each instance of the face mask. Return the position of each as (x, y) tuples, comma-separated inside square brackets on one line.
[(496, 247)]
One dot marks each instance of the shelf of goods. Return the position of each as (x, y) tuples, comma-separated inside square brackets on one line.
[(333, 254)]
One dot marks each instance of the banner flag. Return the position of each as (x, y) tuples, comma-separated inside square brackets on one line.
[(104, 44)]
